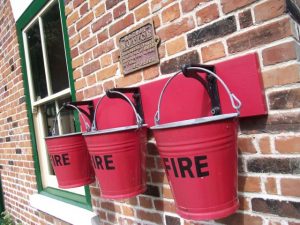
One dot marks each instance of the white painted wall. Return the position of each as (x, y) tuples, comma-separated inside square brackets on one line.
[(19, 6)]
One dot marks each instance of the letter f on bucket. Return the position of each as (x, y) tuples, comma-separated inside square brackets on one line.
[(200, 158)]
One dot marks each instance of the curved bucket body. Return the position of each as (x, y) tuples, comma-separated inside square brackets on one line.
[(118, 158), (70, 160), (200, 160)]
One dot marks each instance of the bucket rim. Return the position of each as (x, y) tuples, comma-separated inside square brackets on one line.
[(63, 135), (113, 130), (189, 122)]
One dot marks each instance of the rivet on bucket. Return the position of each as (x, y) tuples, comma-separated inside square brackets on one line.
[(200, 160)]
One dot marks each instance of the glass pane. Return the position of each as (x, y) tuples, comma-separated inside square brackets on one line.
[(49, 115), (55, 49), (66, 118), (36, 61)]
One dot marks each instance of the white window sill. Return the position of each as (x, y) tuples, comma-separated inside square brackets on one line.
[(64, 211)]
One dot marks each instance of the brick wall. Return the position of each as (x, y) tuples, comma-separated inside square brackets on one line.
[(207, 32)]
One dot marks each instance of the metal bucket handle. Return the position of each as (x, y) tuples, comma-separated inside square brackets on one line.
[(235, 102), (74, 107), (139, 120)]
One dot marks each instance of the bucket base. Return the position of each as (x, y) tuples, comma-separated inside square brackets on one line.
[(78, 183), (214, 214), (124, 196)]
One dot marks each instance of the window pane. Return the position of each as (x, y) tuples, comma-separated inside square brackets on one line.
[(50, 114), (67, 118), (36, 61), (55, 49)]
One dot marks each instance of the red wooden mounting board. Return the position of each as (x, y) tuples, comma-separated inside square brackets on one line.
[(185, 98)]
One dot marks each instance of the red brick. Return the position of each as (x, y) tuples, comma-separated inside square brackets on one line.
[(245, 219), (146, 202), (290, 187), (150, 216), (107, 72), (167, 193), (105, 61), (84, 8), (265, 145), (119, 11), (176, 45), (99, 10), (102, 22), (129, 79), (245, 145), (164, 206), (158, 4), (85, 33), (102, 36), (77, 62), (116, 56), (92, 91), (79, 84), (213, 51), (134, 3), (91, 67), (142, 12), (151, 72), (156, 21), (72, 18), (232, 5), (281, 75), (93, 2), (176, 29), (249, 184), (120, 25), (74, 53), (84, 21), (269, 10), (189, 5), (171, 13), (287, 144), (108, 85), (88, 44), (260, 36), (127, 211), (245, 19), (279, 53), (91, 79), (105, 47), (111, 3), (207, 14), (270, 186), (77, 3), (111, 207), (244, 203), (159, 177)]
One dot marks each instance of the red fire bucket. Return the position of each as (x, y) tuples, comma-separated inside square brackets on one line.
[(69, 158), (118, 157), (200, 160)]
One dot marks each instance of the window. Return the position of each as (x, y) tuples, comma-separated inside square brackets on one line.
[(48, 82)]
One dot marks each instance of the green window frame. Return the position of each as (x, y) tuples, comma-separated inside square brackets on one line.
[(62, 195)]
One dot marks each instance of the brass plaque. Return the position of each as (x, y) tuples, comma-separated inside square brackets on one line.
[(138, 49)]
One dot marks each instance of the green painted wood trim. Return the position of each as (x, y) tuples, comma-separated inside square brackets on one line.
[(31, 11)]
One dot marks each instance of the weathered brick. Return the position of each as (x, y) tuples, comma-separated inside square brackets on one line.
[(269, 10), (245, 19), (74, 40), (79, 84), (77, 3), (85, 33), (77, 62), (102, 36), (175, 64), (281, 75), (171, 13), (150, 216), (129, 79), (107, 72), (105, 61), (120, 25), (84, 9), (260, 36), (264, 144), (146, 202), (207, 14), (280, 53), (281, 208), (176, 45), (91, 79), (119, 11), (72, 18), (88, 44), (246, 145), (111, 206), (164, 206), (287, 144), (127, 211), (274, 165), (176, 29), (92, 91), (171, 220), (213, 51), (189, 5), (232, 5), (244, 203), (158, 4), (102, 22), (105, 47), (84, 21), (270, 186), (90, 68), (116, 56), (290, 187), (249, 184), (244, 219), (99, 10), (285, 99), (142, 12), (111, 3), (218, 29), (134, 3), (151, 72), (108, 85)]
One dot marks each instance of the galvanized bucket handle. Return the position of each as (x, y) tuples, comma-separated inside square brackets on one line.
[(235, 102), (139, 120), (87, 126)]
